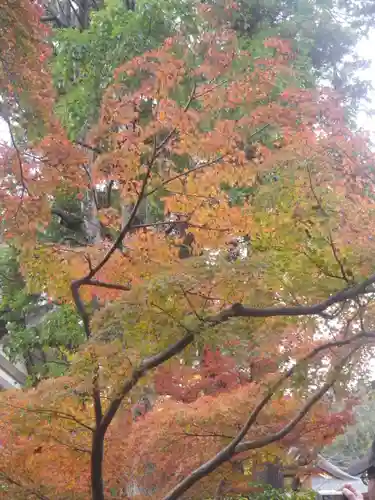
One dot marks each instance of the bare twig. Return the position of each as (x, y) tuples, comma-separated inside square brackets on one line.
[(71, 446), (338, 260), (59, 414), (87, 146), (200, 166)]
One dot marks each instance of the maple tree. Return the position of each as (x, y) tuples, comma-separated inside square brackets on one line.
[(261, 196), (85, 59), (83, 62), (26, 88)]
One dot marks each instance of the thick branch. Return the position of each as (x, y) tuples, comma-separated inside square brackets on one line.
[(104, 284), (69, 220), (234, 447), (145, 366), (81, 306), (239, 310), (265, 441), (75, 286), (54, 18), (96, 397), (98, 435)]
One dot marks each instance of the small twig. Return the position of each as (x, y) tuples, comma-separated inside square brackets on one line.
[(103, 284), (330, 238), (199, 166), (179, 222), (321, 268), (219, 490), (58, 414), (88, 260), (190, 304), (317, 199), (338, 260), (20, 163), (167, 313), (71, 446), (208, 435), (207, 298)]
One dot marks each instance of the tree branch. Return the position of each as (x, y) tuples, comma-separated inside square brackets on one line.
[(71, 446), (261, 442), (104, 284), (56, 413), (20, 164), (87, 146), (176, 223), (154, 155), (96, 397), (200, 166), (144, 367), (239, 310), (99, 433), (234, 447)]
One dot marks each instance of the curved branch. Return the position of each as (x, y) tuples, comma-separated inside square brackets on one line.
[(145, 366), (240, 310), (234, 447)]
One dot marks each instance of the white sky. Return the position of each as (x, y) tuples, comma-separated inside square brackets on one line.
[(366, 50), (4, 131)]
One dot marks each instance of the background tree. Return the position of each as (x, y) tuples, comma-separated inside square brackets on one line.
[(358, 437)]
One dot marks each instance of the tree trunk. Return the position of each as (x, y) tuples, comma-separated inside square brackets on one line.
[(84, 10), (97, 486)]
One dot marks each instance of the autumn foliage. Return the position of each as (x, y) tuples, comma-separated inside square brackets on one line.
[(46, 435), (24, 79), (260, 195)]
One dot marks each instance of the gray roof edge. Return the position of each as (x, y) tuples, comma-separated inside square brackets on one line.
[(12, 371), (5, 384), (332, 469)]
